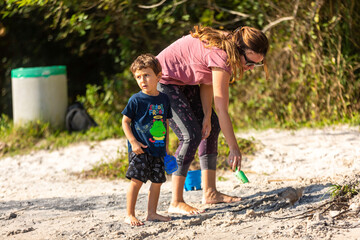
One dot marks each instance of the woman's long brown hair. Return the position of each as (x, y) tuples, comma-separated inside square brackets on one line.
[(234, 44)]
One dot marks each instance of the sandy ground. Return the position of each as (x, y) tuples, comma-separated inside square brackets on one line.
[(41, 199)]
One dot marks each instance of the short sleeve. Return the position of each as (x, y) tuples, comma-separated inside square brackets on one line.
[(130, 109), (218, 58)]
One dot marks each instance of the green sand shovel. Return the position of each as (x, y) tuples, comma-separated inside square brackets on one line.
[(241, 176)]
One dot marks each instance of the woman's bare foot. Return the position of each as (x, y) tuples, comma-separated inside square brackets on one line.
[(214, 196), (183, 208), (133, 221), (157, 217)]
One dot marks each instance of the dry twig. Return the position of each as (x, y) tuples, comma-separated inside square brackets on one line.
[(152, 6), (302, 214), (272, 24), (243, 15)]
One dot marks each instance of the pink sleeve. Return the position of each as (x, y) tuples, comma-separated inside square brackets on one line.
[(218, 58)]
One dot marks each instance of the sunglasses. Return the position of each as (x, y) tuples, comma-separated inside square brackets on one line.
[(247, 61), (252, 63)]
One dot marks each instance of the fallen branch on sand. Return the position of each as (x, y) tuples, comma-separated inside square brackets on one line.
[(302, 215)]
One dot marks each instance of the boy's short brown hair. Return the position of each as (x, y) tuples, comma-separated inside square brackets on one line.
[(146, 60)]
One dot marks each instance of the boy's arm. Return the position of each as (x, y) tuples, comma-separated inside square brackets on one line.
[(136, 146)]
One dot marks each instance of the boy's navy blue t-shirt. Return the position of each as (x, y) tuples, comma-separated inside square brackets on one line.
[(148, 116)]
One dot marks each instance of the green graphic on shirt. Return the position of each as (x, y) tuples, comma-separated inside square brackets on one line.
[(158, 131)]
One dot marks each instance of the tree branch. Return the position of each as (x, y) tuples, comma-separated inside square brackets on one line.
[(244, 15), (272, 24), (151, 6)]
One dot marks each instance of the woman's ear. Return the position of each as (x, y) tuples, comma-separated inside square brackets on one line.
[(159, 75)]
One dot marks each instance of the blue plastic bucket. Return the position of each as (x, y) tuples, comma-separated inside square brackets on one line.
[(193, 180), (170, 164)]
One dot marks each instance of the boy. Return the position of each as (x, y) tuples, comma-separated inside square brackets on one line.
[(146, 126)]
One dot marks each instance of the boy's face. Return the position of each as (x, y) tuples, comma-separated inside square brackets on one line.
[(147, 81)]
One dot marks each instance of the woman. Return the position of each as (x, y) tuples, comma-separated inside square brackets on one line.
[(197, 69)]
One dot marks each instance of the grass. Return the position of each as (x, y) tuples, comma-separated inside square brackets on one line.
[(36, 136), (346, 191), (117, 168), (341, 196), (108, 170)]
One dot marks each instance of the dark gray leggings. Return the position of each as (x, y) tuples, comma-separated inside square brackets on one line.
[(187, 125)]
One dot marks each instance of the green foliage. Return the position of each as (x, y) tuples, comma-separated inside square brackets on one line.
[(314, 69), (38, 135), (247, 147), (344, 191), (314, 76), (109, 170), (222, 179), (105, 103), (118, 167), (5, 125), (15, 139), (100, 103), (313, 59)]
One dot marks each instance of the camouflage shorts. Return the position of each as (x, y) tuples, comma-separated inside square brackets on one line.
[(145, 167)]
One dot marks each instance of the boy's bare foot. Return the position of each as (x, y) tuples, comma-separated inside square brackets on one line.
[(157, 217), (183, 208), (133, 221), (213, 197)]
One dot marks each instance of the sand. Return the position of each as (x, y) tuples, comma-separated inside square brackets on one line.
[(288, 196)]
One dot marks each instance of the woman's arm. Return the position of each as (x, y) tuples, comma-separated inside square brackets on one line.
[(136, 146), (221, 80), (206, 95)]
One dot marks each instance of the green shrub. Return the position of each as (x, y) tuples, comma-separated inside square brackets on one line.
[(109, 170), (118, 167), (344, 191)]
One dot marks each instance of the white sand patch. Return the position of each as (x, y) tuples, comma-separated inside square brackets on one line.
[(40, 199)]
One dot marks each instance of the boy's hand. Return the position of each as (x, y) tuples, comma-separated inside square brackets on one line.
[(137, 147)]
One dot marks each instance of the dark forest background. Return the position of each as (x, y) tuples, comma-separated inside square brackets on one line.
[(314, 58)]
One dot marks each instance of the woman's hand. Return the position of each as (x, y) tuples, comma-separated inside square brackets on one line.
[(234, 159), (206, 128), (221, 81), (206, 95)]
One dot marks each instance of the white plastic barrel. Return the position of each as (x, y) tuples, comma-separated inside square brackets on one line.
[(39, 93)]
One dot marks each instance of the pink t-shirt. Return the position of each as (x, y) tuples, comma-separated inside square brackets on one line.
[(188, 62)]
